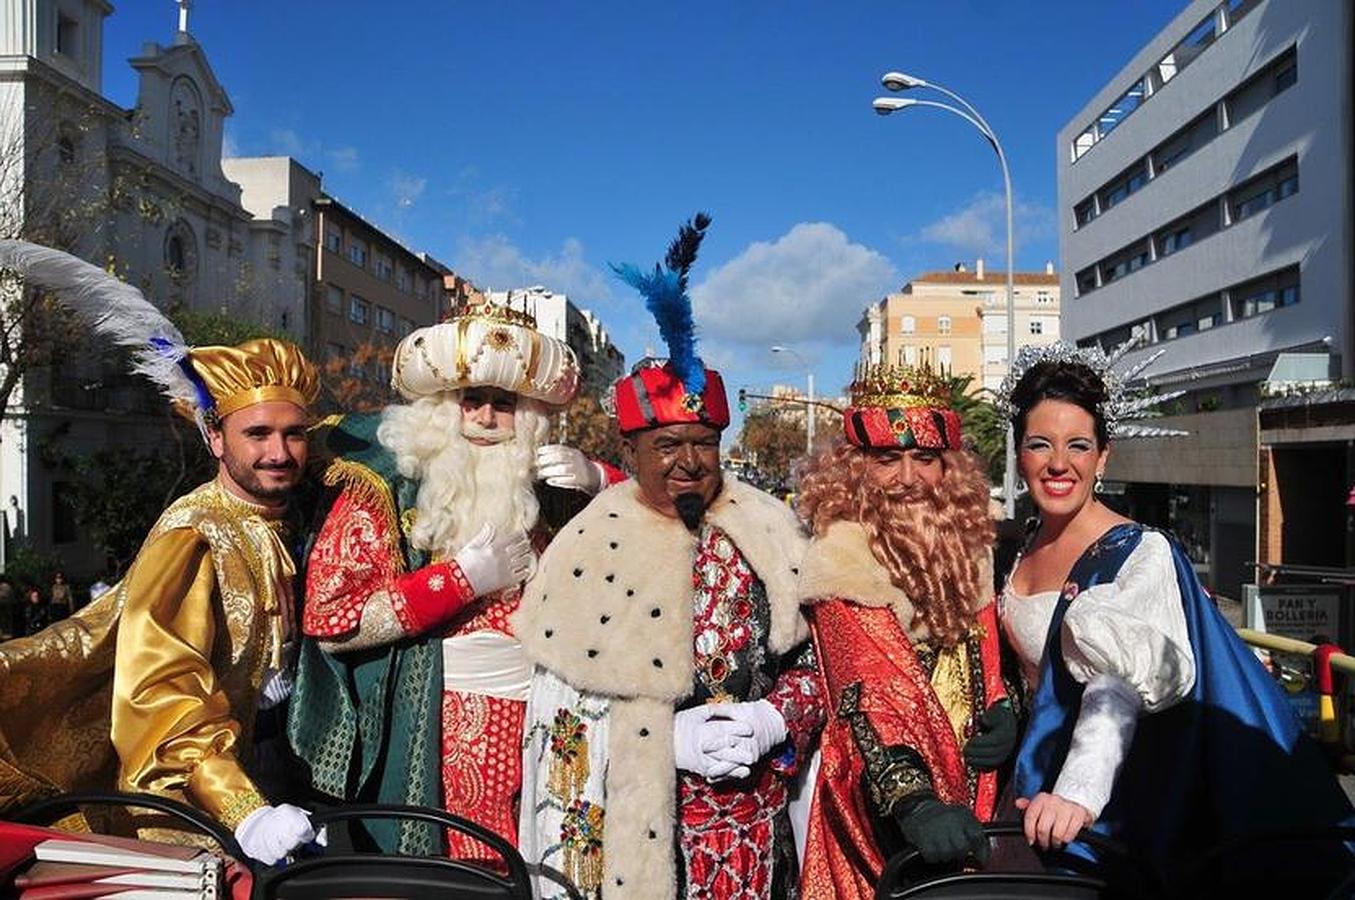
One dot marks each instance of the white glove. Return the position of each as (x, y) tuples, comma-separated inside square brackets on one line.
[(714, 748), (768, 727), (564, 467), (492, 562), (271, 832), (276, 687)]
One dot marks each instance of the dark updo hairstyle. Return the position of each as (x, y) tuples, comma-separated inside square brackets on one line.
[(1071, 382)]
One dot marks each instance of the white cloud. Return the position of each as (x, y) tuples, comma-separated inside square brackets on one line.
[(343, 159), (495, 262), (406, 189), (980, 228), (289, 142), (808, 285)]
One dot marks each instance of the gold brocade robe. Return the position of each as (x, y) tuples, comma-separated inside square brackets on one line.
[(154, 686)]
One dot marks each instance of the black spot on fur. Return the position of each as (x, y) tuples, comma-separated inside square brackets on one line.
[(655, 613), (578, 573), (550, 631), (604, 619), (610, 578), (658, 663), (644, 732), (592, 653)]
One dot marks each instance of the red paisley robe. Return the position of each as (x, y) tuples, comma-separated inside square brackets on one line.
[(355, 557), (864, 653)]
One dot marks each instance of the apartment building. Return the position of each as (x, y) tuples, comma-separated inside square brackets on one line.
[(958, 320), (1205, 210)]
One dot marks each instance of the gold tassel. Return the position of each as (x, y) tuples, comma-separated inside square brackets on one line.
[(569, 756), (581, 830)]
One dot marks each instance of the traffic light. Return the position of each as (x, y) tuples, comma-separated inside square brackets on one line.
[(743, 399)]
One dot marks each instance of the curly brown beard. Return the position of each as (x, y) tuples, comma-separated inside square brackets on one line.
[(930, 545)]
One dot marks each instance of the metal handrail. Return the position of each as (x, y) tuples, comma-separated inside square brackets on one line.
[(1342, 661)]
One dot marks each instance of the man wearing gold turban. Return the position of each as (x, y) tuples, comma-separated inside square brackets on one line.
[(431, 527), (155, 686)]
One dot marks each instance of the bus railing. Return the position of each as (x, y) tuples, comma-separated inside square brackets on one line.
[(1327, 659)]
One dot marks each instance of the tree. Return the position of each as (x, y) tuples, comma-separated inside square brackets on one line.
[(359, 381), (985, 432), (50, 193), (772, 441), (584, 424)]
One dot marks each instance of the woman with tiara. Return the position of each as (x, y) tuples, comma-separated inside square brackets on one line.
[(1150, 721)]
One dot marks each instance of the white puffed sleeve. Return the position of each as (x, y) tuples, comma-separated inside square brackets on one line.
[(1127, 641), (1134, 629)]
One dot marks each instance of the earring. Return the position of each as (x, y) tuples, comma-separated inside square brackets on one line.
[(1100, 486)]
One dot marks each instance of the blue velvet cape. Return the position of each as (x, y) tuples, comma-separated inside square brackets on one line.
[(1230, 759)]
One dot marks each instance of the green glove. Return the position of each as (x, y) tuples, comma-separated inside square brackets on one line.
[(942, 832), (994, 739)]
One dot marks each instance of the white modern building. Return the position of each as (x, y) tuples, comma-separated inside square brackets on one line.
[(1205, 208), (600, 361)]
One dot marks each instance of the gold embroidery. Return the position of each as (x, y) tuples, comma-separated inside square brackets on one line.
[(893, 774)]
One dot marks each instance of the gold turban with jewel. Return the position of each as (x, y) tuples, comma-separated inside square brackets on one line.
[(256, 371)]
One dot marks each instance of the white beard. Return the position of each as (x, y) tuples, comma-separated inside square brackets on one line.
[(463, 486)]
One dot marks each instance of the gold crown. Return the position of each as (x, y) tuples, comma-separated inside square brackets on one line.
[(485, 311), (901, 387)]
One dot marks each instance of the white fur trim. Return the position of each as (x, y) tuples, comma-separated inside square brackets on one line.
[(610, 610)]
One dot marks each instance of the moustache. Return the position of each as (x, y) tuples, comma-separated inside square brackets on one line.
[(288, 466), (493, 435)]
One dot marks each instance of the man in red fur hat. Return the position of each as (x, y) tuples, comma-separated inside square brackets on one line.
[(897, 584), (674, 694)]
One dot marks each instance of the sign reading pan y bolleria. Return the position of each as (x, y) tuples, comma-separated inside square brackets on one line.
[(1304, 612)]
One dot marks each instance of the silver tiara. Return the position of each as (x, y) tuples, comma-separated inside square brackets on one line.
[(1128, 397)]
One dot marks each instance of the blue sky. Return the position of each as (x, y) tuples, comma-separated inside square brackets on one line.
[(533, 143)]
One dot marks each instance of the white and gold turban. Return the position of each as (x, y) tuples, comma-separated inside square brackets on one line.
[(486, 345)]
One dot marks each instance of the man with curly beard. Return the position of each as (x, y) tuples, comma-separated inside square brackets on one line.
[(897, 585)]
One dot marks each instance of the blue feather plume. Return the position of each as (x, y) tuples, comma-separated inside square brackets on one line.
[(665, 293), (174, 351)]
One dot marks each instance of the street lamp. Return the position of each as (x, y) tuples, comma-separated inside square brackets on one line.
[(900, 81), (809, 405)]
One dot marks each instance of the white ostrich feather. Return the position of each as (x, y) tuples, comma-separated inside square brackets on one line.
[(114, 310)]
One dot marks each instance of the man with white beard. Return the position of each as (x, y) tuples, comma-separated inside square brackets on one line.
[(412, 688)]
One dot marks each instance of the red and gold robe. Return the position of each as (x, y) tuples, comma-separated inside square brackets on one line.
[(899, 712)]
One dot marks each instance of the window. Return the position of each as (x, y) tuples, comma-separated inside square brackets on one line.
[(1119, 189), (359, 310), (385, 269), (995, 323), (406, 327), (67, 36), (943, 324), (333, 351), (1037, 326), (1258, 90), (995, 354), (1190, 318), (1086, 280), (1261, 192), (175, 257), (1266, 293), (402, 279), (943, 356), (334, 300), (357, 253), (910, 356), (1173, 239), (65, 150), (333, 239), (385, 320), (1043, 298), (1084, 212), (908, 325)]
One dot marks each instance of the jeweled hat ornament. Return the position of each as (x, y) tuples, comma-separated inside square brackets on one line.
[(1127, 400), (483, 344), (902, 407), (678, 389), (205, 384)]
